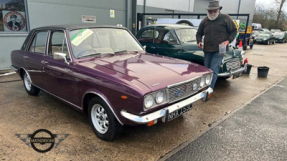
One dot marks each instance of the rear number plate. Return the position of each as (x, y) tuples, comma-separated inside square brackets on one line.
[(178, 112)]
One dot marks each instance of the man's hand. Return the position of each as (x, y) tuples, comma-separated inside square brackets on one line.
[(200, 45), (225, 42)]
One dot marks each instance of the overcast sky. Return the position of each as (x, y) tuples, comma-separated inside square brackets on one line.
[(269, 3)]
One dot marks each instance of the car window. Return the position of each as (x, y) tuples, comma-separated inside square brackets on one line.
[(58, 44), (38, 44), (147, 35), (186, 35)]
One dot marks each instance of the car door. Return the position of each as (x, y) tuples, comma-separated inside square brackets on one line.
[(146, 38), (58, 74), (34, 57), (166, 43)]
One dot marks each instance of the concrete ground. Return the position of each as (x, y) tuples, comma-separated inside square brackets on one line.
[(21, 113), (256, 132)]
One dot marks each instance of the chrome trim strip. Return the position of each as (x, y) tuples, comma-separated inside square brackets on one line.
[(14, 68), (183, 82), (162, 112), (59, 98), (239, 70), (105, 101)]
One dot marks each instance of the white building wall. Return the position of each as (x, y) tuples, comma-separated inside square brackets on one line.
[(179, 5)]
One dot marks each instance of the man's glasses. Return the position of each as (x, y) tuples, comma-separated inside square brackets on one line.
[(212, 11)]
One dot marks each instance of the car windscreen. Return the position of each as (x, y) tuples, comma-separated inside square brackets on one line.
[(99, 41), (278, 34), (186, 35)]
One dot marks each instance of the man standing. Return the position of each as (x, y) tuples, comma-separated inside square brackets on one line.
[(217, 28)]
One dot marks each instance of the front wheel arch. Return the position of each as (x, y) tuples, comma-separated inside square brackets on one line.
[(89, 96)]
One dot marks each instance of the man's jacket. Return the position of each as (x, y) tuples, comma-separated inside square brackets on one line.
[(215, 32)]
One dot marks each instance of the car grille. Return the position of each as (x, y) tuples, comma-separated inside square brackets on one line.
[(233, 65), (183, 90)]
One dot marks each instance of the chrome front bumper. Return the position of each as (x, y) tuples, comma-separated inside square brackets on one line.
[(162, 112), (233, 72)]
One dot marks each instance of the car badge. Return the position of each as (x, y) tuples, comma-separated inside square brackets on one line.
[(177, 94)]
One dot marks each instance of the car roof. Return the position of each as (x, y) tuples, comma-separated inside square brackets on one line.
[(168, 26), (75, 26)]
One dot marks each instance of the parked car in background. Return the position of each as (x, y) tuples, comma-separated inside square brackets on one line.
[(275, 30), (280, 37), (266, 31), (265, 38), (256, 26), (104, 72), (179, 41), (255, 33)]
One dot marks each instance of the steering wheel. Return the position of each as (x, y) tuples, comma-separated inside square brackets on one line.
[(85, 52)]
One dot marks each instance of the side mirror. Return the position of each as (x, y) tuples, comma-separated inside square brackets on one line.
[(61, 56), (144, 47)]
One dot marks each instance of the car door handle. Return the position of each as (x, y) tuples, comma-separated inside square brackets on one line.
[(25, 57), (44, 62)]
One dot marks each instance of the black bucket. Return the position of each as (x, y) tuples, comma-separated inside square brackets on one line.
[(249, 66), (263, 71)]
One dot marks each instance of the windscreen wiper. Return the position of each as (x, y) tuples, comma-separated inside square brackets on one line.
[(121, 51), (93, 54)]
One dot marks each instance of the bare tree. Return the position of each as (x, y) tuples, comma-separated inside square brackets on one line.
[(281, 4)]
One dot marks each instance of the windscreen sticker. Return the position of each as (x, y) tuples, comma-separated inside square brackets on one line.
[(80, 36)]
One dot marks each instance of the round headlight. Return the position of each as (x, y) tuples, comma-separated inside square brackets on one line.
[(194, 87), (148, 101), (208, 79), (202, 82), (159, 97)]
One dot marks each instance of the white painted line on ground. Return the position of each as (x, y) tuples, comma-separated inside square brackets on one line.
[(7, 74), (181, 146)]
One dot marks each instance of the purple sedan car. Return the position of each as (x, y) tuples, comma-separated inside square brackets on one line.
[(104, 72)]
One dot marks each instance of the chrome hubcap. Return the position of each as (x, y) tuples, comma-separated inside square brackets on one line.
[(27, 82), (100, 118)]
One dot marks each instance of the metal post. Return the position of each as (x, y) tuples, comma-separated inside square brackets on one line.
[(246, 31), (238, 8), (134, 18), (144, 6)]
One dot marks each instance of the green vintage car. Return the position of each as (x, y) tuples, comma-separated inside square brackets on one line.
[(179, 41), (280, 37)]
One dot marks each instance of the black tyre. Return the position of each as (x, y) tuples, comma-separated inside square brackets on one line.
[(103, 122), (244, 47), (30, 88)]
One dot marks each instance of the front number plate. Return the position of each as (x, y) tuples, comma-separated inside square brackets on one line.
[(178, 112)]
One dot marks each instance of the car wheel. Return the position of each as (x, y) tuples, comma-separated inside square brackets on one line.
[(244, 47), (268, 42), (31, 89), (103, 122), (274, 42)]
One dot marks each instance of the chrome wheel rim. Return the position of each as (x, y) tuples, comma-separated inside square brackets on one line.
[(100, 118), (27, 82)]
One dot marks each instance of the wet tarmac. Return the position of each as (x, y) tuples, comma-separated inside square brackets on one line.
[(21, 113)]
